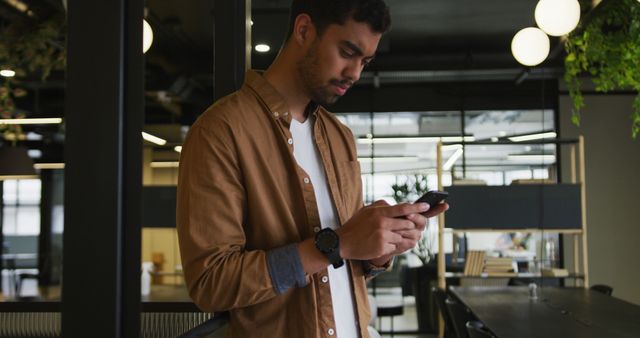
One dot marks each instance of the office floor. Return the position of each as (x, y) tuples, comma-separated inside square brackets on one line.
[(408, 321)]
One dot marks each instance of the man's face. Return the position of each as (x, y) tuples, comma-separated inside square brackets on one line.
[(335, 59)]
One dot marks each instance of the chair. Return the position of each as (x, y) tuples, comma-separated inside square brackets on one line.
[(602, 288), (440, 296), (389, 311), (20, 277), (459, 316), (476, 329)]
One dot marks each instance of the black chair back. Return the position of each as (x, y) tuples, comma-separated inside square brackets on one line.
[(459, 316), (476, 329), (440, 296), (602, 288)]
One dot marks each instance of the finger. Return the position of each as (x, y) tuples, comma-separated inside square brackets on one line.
[(389, 249), (404, 209), (419, 220), (410, 234), (440, 208), (394, 238), (397, 224), (405, 246), (408, 244), (379, 203)]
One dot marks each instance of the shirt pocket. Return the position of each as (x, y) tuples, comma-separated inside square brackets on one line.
[(350, 186)]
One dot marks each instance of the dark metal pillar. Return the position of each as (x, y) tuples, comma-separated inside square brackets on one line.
[(103, 156), (232, 45), (45, 236)]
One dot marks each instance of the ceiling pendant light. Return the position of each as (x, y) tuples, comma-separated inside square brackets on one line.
[(557, 17), (147, 36), (530, 46)]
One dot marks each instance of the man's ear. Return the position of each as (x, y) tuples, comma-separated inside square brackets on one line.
[(304, 30)]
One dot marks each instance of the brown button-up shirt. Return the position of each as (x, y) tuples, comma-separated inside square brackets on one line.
[(241, 193)]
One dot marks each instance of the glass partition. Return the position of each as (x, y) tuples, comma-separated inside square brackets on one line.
[(490, 147)]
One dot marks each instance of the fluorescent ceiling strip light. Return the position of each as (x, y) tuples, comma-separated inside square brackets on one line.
[(17, 4), (49, 165), (454, 157), (55, 120), (427, 139), (18, 177), (458, 139), (178, 148), (153, 139), (396, 159), (172, 164), (7, 73), (533, 137), (532, 158)]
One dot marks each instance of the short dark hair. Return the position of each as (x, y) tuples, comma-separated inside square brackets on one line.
[(326, 12)]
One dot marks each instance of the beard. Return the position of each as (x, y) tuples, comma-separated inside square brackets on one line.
[(319, 91)]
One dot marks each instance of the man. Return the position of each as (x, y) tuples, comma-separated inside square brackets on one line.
[(270, 216)]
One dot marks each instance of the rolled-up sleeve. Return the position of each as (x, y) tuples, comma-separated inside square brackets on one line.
[(219, 272)]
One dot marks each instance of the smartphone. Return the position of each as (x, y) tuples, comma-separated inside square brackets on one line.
[(433, 197)]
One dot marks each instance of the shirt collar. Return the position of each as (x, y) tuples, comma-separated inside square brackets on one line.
[(275, 103)]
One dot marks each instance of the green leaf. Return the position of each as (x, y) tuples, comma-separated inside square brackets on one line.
[(608, 48)]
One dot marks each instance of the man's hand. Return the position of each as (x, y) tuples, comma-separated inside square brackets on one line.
[(379, 229), (410, 237)]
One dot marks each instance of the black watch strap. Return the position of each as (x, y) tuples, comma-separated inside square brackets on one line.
[(328, 243), (335, 259)]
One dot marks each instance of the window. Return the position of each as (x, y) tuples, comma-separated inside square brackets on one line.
[(21, 212), (394, 145)]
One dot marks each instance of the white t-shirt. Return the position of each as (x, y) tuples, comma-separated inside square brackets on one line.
[(307, 155)]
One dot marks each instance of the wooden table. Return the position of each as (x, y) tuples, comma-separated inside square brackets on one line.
[(558, 312)]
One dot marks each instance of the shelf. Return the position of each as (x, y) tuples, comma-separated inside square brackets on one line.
[(559, 231), (517, 275)]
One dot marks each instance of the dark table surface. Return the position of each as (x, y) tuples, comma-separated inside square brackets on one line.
[(557, 312)]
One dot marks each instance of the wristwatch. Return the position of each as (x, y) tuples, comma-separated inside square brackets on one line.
[(328, 242)]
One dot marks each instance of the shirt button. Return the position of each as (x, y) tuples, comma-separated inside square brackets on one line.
[(331, 332), (316, 229), (306, 180), (286, 113), (325, 279), (290, 141), (275, 113)]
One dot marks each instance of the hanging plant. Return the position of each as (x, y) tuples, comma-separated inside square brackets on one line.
[(7, 111), (30, 50), (608, 48)]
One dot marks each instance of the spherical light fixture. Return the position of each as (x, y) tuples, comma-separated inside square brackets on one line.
[(530, 46), (262, 48), (557, 17), (147, 36), (7, 73)]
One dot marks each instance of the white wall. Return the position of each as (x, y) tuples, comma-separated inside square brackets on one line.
[(613, 190)]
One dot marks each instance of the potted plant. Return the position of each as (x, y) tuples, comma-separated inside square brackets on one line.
[(607, 46)]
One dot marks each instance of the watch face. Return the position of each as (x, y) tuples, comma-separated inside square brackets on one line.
[(327, 241)]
